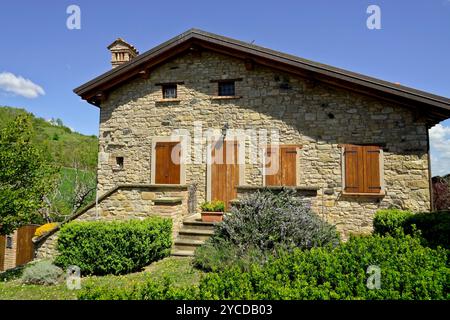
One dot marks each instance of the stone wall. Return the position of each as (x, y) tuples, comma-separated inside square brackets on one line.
[(46, 249), (317, 116), (131, 202), (139, 202)]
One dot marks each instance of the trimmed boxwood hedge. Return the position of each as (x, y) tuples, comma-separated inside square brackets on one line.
[(409, 271), (115, 247), (433, 226)]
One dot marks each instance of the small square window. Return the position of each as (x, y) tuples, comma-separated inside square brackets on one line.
[(169, 91), (9, 242), (226, 88), (119, 162)]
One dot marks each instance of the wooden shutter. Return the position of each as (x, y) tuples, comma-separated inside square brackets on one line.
[(288, 165), (167, 170), (362, 169), (281, 166), (372, 169), (273, 176), (354, 169)]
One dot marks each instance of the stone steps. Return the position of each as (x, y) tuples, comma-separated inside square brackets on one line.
[(192, 234)]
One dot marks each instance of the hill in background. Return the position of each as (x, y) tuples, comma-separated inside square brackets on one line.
[(74, 153), (62, 146)]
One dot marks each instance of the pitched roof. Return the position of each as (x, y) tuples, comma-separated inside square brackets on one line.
[(436, 108)]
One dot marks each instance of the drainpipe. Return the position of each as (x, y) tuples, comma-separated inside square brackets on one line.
[(429, 169)]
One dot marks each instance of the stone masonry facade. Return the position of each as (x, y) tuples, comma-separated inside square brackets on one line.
[(316, 116)]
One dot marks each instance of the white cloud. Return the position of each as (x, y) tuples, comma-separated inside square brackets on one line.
[(20, 86), (440, 149)]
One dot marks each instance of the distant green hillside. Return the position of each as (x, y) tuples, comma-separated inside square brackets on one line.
[(76, 156), (63, 147)]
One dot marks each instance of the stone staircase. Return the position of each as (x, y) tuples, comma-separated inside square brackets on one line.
[(193, 233)]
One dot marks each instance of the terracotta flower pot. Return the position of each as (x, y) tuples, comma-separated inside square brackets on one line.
[(212, 216)]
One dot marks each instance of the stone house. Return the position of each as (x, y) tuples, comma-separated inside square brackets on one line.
[(348, 143)]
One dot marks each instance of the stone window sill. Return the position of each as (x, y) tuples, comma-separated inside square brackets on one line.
[(298, 188), (169, 100), (118, 169), (371, 195), (225, 97)]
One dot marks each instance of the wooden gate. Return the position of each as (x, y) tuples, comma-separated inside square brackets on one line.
[(2, 252), (25, 247), (224, 171)]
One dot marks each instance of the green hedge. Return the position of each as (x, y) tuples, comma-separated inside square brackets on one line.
[(116, 247), (408, 271), (145, 290), (434, 227)]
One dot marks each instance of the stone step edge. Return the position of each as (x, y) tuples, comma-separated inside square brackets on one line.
[(182, 253), (200, 223), (189, 242), (202, 232)]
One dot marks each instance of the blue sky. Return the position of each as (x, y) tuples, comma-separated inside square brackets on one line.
[(41, 61)]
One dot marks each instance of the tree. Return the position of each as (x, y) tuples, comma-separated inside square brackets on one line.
[(25, 177), (75, 189), (441, 192)]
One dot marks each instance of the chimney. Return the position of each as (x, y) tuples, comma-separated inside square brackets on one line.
[(121, 52)]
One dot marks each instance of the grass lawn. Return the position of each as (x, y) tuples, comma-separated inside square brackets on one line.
[(179, 270)]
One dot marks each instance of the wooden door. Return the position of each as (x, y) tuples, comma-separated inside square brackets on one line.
[(224, 171), (167, 169), (25, 247), (2, 252), (281, 166)]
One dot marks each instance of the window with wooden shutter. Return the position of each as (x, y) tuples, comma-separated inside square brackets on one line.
[(167, 163), (362, 169), (281, 166)]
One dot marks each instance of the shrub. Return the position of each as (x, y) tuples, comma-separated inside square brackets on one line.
[(267, 220), (408, 271), (41, 272), (116, 247), (147, 290), (45, 228), (223, 255), (12, 274), (441, 192), (213, 206), (390, 221), (261, 224), (434, 227)]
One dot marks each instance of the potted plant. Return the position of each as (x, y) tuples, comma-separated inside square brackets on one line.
[(212, 211)]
